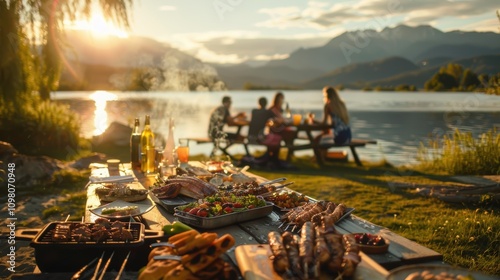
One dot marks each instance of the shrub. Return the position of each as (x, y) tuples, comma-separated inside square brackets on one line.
[(463, 154), (36, 127)]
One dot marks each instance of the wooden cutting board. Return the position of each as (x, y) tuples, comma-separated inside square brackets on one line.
[(254, 263)]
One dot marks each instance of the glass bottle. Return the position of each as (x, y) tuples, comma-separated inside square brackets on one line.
[(168, 152), (148, 148), (288, 113), (135, 146)]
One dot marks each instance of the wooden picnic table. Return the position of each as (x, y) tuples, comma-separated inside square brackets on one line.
[(301, 142), (402, 251)]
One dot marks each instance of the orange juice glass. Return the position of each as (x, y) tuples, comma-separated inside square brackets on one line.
[(183, 154), (297, 118)]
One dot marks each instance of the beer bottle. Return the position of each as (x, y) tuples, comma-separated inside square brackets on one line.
[(148, 148), (135, 146)]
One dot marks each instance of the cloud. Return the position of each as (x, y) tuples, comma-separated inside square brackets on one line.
[(236, 46), (168, 8), (322, 15)]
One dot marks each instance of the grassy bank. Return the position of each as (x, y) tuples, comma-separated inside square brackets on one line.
[(466, 235)]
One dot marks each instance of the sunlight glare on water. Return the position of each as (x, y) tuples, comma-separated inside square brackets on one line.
[(101, 98)]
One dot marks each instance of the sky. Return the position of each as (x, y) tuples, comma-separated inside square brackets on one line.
[(232, 31)]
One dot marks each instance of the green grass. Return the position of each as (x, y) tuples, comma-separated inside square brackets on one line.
[(463, 154), (466, 235)]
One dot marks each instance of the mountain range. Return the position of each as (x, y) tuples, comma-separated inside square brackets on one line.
[(356, 59), (393, 56)]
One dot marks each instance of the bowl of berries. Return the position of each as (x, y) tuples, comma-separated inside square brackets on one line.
[(371, 243)]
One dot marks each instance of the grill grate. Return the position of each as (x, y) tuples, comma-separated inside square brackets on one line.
[(47, 235)]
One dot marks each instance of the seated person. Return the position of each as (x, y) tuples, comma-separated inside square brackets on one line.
[(278, 123), (335, 111), (335, 114), (258, 122), (221, 116)]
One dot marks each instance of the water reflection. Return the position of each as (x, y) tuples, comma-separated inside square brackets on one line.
[(101, 98)]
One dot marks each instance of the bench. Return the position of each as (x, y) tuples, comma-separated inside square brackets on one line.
[(291, 148), (325, 146)]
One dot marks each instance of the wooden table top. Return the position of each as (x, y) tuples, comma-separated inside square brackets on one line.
[(402, 251)]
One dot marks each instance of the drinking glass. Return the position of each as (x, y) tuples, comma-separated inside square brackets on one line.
[(183, 151), (297, 118)]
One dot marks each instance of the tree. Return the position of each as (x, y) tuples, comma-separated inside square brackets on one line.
[(469, 80), (31, 60), (441, 81)]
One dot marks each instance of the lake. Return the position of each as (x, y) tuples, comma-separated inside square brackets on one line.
[(399, 121)]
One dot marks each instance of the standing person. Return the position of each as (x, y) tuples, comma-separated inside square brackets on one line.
[(335, 111), (221, 116)]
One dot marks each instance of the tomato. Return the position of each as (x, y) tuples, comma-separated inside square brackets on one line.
[(202, 212), (187, 209), (228, 210), (194, 211), (251, 206), (237, 205)]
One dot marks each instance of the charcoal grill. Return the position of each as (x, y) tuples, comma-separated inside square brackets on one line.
[(70, 255)]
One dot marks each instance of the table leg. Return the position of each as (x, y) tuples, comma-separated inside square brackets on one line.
[(355, 155)]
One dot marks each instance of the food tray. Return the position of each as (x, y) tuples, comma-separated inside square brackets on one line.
[(223, 220), (170, 203)]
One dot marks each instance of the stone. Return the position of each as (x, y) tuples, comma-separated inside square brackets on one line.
[(116, 134), (83, 163), (7, 149)]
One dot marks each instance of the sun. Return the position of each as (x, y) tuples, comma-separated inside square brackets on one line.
[(99, 27)]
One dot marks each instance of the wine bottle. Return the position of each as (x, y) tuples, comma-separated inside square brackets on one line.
[(148, 148), (135, 146)]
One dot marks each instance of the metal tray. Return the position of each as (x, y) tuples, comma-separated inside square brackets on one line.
[(170, 203), (223, 220)]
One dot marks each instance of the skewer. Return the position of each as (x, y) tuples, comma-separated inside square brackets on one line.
[(79, 273), (97, 267), (67, 218), (119, 275), (106, 266)]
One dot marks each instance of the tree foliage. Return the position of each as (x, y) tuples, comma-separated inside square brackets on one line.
[(454, 77), (31, 59)]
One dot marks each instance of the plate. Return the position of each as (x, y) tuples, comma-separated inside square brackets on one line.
[(143, 208), (401, 273)]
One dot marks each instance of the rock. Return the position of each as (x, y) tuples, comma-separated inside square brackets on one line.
[(6, 149), (83, 163), (29, 171), (116, 134)]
